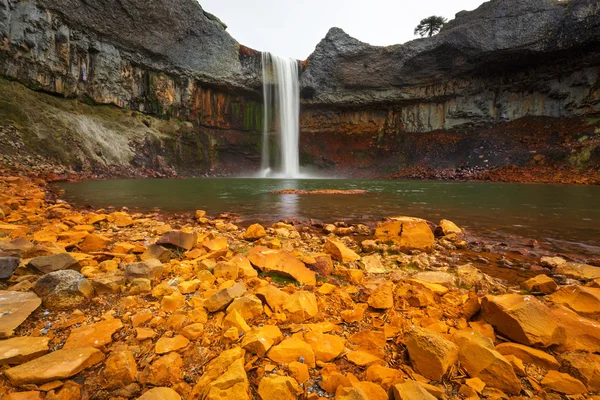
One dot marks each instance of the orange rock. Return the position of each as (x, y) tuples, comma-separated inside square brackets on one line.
[(273, 296), (65, 363), (120, 369), (447, 227), (364, 358), (255, 232), (279, 387), (301, 305), (226, 271), (174, 302), (339, 251), (120, 219), (326, 347), (299, 371), (563, 383), (160, 393), (145, 333), (31, 395), (383, 296), (259, 340), (430, 353), (411, 390), (581, 299), (193, 331), (406, 232), (355, 315), (580, 333), (292, 349), (524, 319), (180, 239), (584, 366), (234, 319), (248, 306), (282, 262), (384, 376), (164, 371), (22, 349), (94, 242), (95, 335), (529, 355), (221, 299), (540, 284), (478, 357), (165, 344)]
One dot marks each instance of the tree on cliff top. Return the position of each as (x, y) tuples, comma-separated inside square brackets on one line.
[(430, 26)]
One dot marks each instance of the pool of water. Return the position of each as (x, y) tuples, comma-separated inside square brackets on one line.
[(561, 217)]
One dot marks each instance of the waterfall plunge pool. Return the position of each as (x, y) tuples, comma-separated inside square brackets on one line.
[(563, 218)]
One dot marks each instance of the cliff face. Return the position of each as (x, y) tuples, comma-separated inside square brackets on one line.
[(167, 59), (507, 60), (513, 83)]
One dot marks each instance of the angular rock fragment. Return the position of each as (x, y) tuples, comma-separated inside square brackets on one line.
[(528, 355), (62, 290), (55, 262), (339, 251), (524, 319), (8, 266), (540, 284), (150, 269), (563, 383), (15, 307), (282, 262), (182, 240), (94, 335), (430, 353), (120, 369), (278, 387), (224, 297), (292, 349), (255, 232), (406, 232), (581, 299), (583, 366), (160, 393), (301, 305), (57, 365), (411, 390), (382, 297), (22, 349)]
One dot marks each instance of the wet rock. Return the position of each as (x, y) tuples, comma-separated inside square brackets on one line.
[(166, 344), (8, 265), (160, 393), (300, 306), (22, 349), (326, 347), (540, 284), (382, 297), (94, 242), (63, 290), (255, 232), (411, 390), (477, 355), (55, 262), (65, 363), (430, 353), (524, 319), (221, 299), (582, 272), (528, 355), (581, 299), (15, 307), (447, 227), (286, 264), (583, 366), (563, 383), (339, 251), (94, 335), (407, 233), (182, 240), (150, 269), (279, 387), (120, 369), (292, 349)]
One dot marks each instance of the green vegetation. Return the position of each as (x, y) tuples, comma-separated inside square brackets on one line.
[(430, 26)]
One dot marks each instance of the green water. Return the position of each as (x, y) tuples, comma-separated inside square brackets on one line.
[(561, 217)]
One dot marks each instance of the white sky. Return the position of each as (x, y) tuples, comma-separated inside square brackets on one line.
[(293, 28)]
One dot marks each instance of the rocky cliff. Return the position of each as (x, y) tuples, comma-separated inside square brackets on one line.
[(508, 60), (164, 59), (513, 84)]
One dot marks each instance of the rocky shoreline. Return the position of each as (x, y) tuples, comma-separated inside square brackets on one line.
[(111, 304)]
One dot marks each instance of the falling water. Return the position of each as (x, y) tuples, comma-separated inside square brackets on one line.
[(281, 93)]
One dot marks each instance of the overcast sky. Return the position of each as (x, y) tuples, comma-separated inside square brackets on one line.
[(293, 28)]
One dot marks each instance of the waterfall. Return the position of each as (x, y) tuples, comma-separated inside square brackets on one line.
[(282, 95)]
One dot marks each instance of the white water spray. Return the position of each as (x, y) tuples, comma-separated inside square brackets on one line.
[(281, 94)]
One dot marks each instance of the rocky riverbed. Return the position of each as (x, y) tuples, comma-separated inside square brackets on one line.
[(115, 304)]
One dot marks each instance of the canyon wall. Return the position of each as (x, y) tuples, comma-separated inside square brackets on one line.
[(532, 61), (514, 84)]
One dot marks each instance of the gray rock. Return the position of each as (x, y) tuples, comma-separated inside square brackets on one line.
[(150, 269), (63, 290), (55, 262), (8, 265)]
